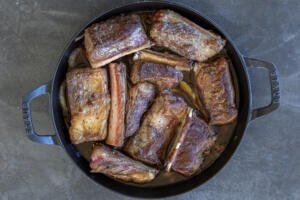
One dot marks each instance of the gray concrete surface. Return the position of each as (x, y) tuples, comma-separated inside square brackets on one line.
[(34, 33)]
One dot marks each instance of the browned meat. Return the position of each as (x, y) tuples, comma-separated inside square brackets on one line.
[(116, 165), (113, 38), (163, 58), (116, 134), (193, 141), (163, 76), (184, 37), (140, 97), (150, 143), (89, 103), (215, 90)]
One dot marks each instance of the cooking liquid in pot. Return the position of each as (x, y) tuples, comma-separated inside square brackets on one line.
[(224, 132)]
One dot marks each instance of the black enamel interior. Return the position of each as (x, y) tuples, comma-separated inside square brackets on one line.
[(172, 189)]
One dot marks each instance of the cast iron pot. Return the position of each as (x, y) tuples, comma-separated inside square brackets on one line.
[(241, 65)]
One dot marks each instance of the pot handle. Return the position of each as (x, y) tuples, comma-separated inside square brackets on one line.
[(275, 91), (26, 109)]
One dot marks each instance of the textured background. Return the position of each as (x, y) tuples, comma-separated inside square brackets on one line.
[(34, 33)]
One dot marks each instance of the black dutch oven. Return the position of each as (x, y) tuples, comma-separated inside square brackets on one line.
[(241, 65)]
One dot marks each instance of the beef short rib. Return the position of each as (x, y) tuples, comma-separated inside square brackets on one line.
[(163, 76), (173, 31), (215, 90), (150, 143), (193, 140), (140, 98), (89, 104), (116, 165), (114, 38)]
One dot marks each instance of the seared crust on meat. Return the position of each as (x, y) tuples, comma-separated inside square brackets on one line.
[(116, 165), (163, 76), (140, 97), (193, 140), (215, 90), (89, 103), (116, 37), (171, 30), (150, 143)]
